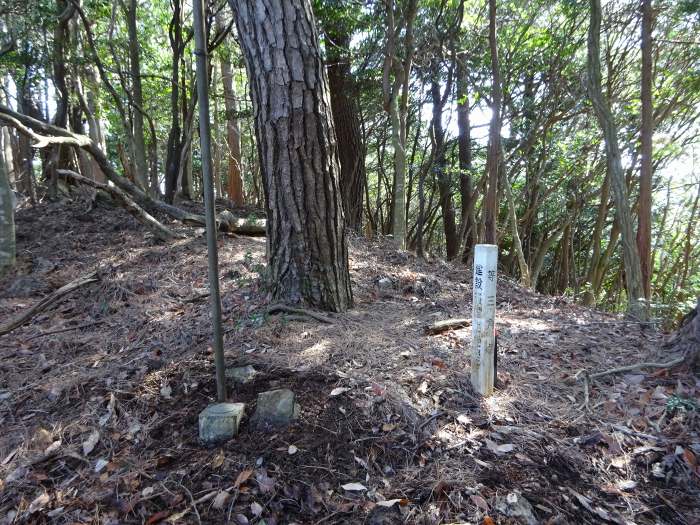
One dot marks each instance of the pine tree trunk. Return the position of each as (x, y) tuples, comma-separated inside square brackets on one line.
[(306, 248), (633, 274), (646, 132), (347, 125)]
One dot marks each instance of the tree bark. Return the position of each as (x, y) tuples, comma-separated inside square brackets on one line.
[(137, 97), (492, 162), (440, 167), (306, 246), (7, 221), (347, 122), (464, 144), (633, 275), (646, 132), (233, 136), (396, 76), (174, 145)]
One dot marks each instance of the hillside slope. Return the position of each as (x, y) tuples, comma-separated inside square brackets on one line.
[(100, 393)]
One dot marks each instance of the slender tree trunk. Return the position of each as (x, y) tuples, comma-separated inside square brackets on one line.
[(26, 152), (137, 97), (174, 145), (525, 279), (420, 226), (589, 297), (7, 221), (492, 161), (92, 112), (689, 239), (646, 132), (396, 76), (464, 143), (633, 275), (306, 246), (344, 101), (233, 136), (440, 167)]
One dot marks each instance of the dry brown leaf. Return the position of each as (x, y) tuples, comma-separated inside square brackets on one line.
[(479, 502), (242, 477), (265, 482), (91, 442), (221, 499), (218, 460), (38, 503), (256, 508)]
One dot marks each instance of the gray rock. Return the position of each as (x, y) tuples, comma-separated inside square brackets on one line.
[(276, 408), (241, 374), (219, 422), (514, 505), (385, 283)]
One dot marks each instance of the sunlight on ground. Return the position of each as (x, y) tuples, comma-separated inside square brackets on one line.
[(317, 351), (498, 406)]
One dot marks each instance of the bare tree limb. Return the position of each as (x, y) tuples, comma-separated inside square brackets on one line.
[(47, 301)]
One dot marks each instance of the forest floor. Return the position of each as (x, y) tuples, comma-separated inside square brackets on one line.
[(100, 395)]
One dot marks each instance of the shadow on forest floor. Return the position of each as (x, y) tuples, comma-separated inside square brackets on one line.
[(134, 371)]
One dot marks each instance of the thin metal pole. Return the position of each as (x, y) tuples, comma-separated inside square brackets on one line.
[(209, 211)]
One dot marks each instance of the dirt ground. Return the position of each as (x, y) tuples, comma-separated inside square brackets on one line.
[(100, 394)]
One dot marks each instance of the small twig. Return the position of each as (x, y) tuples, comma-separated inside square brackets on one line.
[(629, 368), (62, 330), (588, 377), (631, 432), (274, 308)]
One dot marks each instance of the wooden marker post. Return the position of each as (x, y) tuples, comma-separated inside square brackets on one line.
[(483, 317)]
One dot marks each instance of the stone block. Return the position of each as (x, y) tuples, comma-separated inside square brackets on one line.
[(276, 408), (220, 422)]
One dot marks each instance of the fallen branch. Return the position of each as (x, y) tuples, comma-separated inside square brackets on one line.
[(161, 231), (275, 308), (44, 134), (448, 324), (588, 377), (47, 301), (630, 368)]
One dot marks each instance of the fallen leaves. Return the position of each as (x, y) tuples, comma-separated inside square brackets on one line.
[(38, 503), (353, 487), (218, 459), (242, 477), (91, 442), (497, 449), (221, 499), (338, 390), (265, 483)]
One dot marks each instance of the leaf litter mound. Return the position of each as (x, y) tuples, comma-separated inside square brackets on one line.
[(100, 394)]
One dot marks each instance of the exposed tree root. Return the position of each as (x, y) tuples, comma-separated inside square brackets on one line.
[(276, 308), (47, 301)]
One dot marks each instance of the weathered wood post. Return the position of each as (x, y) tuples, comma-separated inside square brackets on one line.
[(483, 317)]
